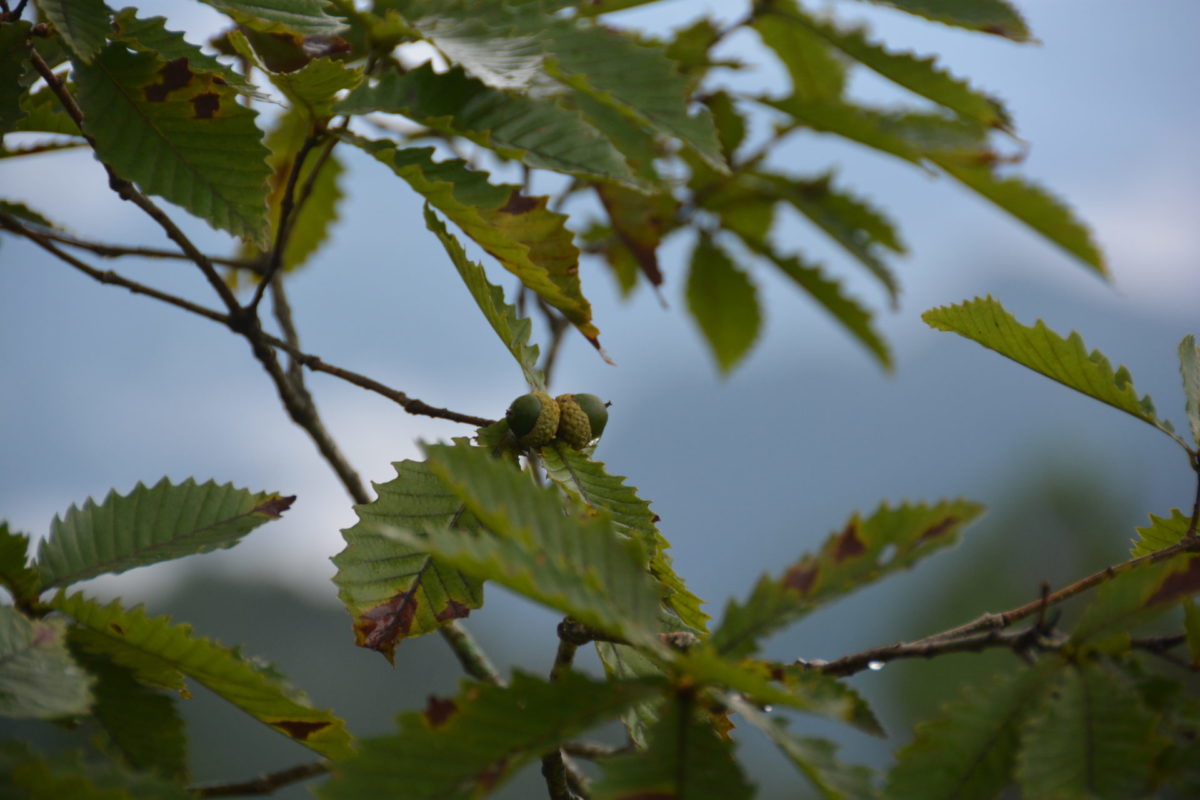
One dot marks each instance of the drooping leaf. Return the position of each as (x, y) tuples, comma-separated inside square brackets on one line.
[(513, 329), (395, 590), (730, 123), (640, 221), (1189, 367), (468, 745), (38, 677), (970, 749), (584, 478), (723, 301), (816, 72), (311, 87), (14, 56), (1093, 738), (815, 758), (1132, 598), (853, 122), (306, 17), (919, 75), (142, 723), (864, 551), (850, 221), (29, 775), (530, 129), (153, 646), (526, 237), (1065, 360), (317, 209), (150, 35), (684, 758), (1032, 205), (179, 134), (622, 662), (767, 684), (575, 563), (986, 16), (149, 525), (43, 113), (83, 24), (1161, 532), (16, 575)]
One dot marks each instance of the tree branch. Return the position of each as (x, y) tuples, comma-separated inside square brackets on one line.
[(410, 404), (117, 251), (283, 228), (263, 784)]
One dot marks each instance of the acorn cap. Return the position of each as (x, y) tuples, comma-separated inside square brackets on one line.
[(596, 410), (533, 418)]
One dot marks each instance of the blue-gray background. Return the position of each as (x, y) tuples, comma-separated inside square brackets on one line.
[(102, 389)]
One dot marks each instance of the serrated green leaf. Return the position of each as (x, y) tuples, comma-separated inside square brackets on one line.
[(865, 550), (1093, 738), (850, 221), (14, 55), (828, 293), (178, 134), (622, 662), (1189, 368), (639, 144), (921, 76), (970, 750), (586, 479), (513, 329), (815, 758), (16, 575), (312, 87), (28, 775), (723, 301), (38, 677), (395, 590), (684, 758), (150, 35), (1032, 205), (1067, 361), (151, 525), (816, 72), (530, 129), (528, 239), (306, 17), (575, 563), (766, 684), (1132, 598), (136, 640), (986, 16), (468, 745), (865, 126), (730, 123), (1161, 532), (516, 47), (142, 723), (83, 24)]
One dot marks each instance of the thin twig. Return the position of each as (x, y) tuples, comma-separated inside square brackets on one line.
[(117, 251), (593, 751), (410, 404), (1022, 641), (263, 784)]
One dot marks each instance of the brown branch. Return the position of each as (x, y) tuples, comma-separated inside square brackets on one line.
[(1020, 642), (127, 191), (593, 751), (283, 227), (410, 404), (263, 784), (117, 251)]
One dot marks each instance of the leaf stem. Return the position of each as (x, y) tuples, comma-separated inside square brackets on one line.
[(263, 784), (471, 656)]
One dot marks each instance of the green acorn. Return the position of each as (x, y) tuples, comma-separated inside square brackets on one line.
[(533, 419), (582, 418)]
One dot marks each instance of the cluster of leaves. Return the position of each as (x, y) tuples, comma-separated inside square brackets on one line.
[(643, 124)]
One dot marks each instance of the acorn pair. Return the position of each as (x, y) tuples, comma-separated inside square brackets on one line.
[(536, 419)]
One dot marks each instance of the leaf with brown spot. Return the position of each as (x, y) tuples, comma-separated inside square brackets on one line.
[(527, 238), (393, 590), (149, 525), (161, 653), (640, 222), (196, 146), (479, 738), (849, 559), (1133, 598)]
